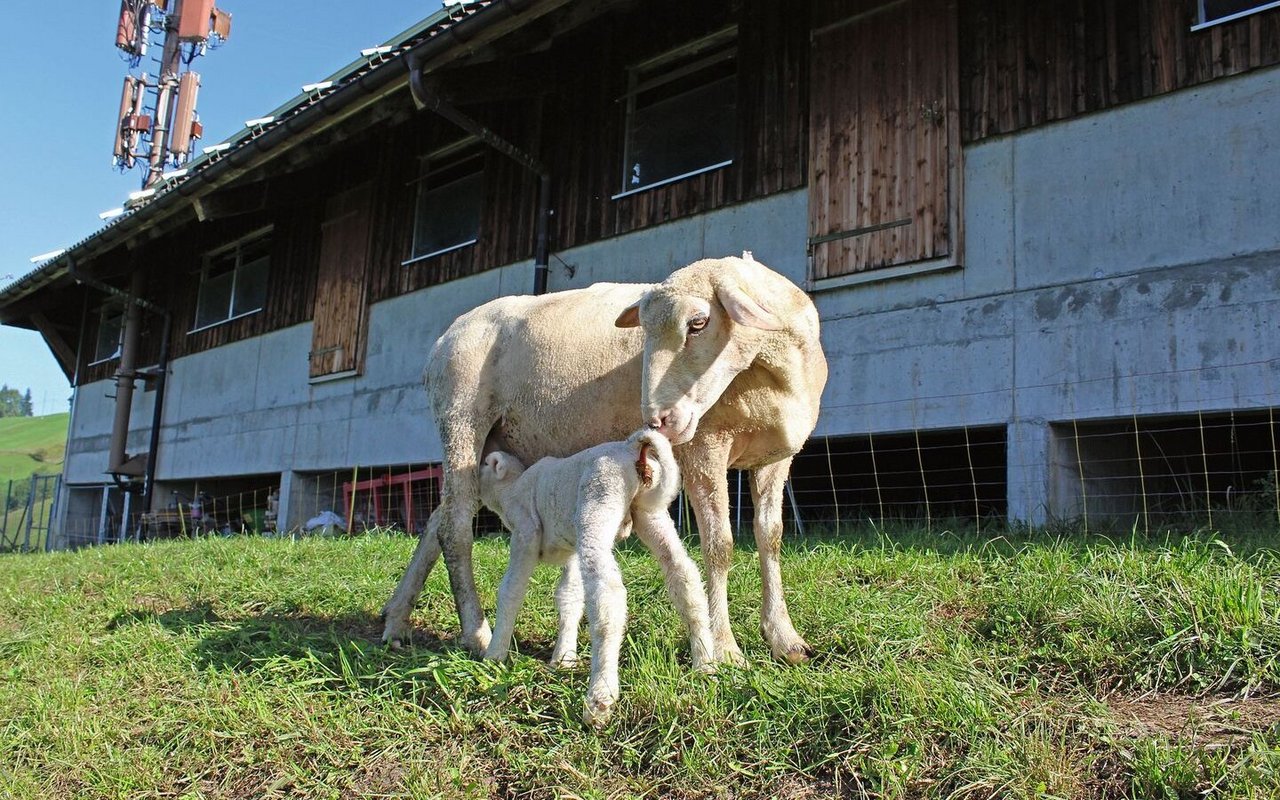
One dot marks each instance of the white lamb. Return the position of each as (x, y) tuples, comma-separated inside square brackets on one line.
[(570, 511)]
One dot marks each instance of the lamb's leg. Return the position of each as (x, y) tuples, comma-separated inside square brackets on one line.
[(707, 484), (684, 585), (569, 604), (767, 486), (511, 592), (606, 610)]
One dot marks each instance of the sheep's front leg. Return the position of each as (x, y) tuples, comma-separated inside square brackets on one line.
[(606, 610), (569, 604), (511, 592), (707, 485), (767, 486), (684, 584)]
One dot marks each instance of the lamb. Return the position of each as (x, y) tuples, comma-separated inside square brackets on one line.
[(728, 362), (570, 511)]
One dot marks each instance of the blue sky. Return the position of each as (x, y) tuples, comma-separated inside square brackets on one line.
[(61, 90)]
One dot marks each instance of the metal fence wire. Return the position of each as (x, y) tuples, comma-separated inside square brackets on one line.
[(1146, 473), (30, 507)]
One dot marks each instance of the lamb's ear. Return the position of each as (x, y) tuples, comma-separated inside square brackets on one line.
[(498, 464), (630, 317), (745, 310)]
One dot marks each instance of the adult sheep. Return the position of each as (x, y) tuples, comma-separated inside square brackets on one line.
[(724, 359)]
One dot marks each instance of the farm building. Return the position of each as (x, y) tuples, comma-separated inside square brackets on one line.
[(1044, 240)]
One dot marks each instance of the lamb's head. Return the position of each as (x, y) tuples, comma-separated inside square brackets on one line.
[(498, 471), (702, 326)]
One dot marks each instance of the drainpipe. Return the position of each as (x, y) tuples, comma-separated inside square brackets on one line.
[(125, 376), (425, 98)]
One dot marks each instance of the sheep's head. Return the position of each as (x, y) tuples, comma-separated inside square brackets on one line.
[(702, 326), (498, 471)]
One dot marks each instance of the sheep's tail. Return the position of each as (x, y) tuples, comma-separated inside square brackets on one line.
[(656, 466)]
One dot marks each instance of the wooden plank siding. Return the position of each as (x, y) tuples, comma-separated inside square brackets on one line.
[(1017, 65), (1025, 64), (884, 181), (340, 318)]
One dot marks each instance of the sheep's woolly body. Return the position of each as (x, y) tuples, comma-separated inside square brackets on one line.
[(552, 375)]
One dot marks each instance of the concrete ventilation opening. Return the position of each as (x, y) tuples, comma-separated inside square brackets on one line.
[(927, 478), (1213, 470), (225, 506)]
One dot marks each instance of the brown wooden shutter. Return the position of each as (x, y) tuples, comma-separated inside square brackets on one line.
[(339, 322), (884, 166)]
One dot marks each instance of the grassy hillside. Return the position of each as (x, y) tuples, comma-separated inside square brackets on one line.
[(949, 666), (32, 444)]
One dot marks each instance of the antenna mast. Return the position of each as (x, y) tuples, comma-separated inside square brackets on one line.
[(162, 134)]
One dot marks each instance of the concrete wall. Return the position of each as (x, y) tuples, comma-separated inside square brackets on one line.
[(1120, 263)]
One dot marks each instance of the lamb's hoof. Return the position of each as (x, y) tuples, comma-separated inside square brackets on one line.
[(566, 661), (731, 655), (596, 713)]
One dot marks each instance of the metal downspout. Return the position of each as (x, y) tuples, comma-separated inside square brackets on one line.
[(135, 302), (125, 376), (425, 98)]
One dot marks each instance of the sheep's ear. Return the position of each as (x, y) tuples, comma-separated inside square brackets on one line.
[(745, 310), (630, 316)]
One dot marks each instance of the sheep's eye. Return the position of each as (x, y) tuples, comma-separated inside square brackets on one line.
[(696, 325)]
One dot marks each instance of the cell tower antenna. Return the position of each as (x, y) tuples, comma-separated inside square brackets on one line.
[(158, 123)]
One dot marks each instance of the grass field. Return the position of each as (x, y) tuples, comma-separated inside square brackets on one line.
[(28, 445), (950, 666)]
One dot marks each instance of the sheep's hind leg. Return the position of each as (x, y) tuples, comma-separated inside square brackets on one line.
[(606, 612), (396, 612), (569, 606)]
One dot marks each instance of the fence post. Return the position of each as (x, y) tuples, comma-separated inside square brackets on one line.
[(31, 513), (4, 515)]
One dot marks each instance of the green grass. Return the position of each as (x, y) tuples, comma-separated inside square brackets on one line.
[(950, 666), (28, 445), (32, 445)]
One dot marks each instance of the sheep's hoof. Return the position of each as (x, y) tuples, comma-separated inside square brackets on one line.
[(566, 661), (731, 655), (478, 643), (393, 644), (797, 654)]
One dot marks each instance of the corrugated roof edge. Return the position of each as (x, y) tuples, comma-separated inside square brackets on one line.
[(344, 79)]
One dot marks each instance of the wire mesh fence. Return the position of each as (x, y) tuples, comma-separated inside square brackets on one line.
[(1214, 470), (30, 506)]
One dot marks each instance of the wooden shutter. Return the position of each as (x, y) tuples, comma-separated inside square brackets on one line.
[(884, 167), (339, 323)]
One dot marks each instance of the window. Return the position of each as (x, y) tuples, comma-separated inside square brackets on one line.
[(450, 197), (110, 333), (681, 113), (233, 281), (1214, 12)]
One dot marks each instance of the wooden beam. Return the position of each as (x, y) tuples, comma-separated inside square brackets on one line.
[(63, 352)]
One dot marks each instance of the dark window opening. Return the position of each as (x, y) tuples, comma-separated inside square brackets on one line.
[(450, 199), (110, 333), (1212, 12), (681, 113), (233, 281)]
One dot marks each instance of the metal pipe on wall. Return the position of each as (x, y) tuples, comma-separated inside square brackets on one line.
[(125, 376)]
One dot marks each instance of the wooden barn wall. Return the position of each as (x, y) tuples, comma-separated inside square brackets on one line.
[(1024, 64)]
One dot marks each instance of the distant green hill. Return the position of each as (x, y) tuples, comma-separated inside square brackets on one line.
[(32, 444)]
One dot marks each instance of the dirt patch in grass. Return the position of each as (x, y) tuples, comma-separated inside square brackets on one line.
[(1205, 721)]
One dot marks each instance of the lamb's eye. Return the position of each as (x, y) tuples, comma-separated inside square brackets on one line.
[(696, 325)]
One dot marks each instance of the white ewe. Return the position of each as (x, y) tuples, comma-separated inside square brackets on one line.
[(570, 511), (726, 361)]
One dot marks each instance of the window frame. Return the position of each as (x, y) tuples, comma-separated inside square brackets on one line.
[(703, 53), (109, 311), (444, 160), (207, 259), (1201, 23)]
